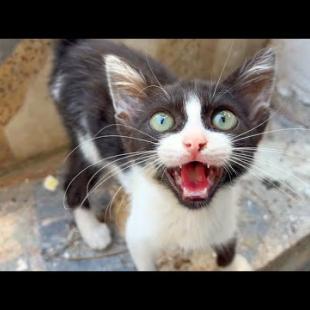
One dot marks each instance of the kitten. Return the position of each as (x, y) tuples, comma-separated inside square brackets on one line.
[(173, 145)]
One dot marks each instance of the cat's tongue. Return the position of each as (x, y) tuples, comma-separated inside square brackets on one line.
[(194, 180)]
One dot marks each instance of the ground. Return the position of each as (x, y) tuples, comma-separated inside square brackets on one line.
[(37, 233)]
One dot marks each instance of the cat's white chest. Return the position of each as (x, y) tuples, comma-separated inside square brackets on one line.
[(158, 218)]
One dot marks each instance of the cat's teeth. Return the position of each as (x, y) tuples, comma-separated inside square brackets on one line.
[(208, 166), (190, 193)]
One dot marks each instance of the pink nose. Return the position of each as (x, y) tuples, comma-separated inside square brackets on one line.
[(195, 144)]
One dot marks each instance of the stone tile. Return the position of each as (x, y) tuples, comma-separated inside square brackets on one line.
[(19, 239)]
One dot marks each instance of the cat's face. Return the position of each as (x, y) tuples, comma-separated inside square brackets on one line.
[(196, 129)]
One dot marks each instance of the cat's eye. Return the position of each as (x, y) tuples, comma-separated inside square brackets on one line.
[(224, 120), (161, 122)]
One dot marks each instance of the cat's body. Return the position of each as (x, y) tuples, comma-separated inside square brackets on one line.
[(117, 101)]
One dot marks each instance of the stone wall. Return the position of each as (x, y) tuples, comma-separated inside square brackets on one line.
[(292, 91), (29, 124), (203, 58)]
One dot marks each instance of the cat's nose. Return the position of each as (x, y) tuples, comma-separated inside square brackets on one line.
[(195, 144)]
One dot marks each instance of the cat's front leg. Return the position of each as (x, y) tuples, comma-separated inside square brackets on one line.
[(141, 249), (79, 180), (227, 259), (142, 254)]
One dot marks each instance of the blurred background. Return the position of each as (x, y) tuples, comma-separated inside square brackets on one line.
[(34, 227)]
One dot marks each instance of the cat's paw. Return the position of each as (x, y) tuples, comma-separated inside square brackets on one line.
[(239, 263), (98, 238), (95, 234)]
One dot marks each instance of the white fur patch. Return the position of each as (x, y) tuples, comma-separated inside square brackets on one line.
[(88, 148), (158, 221), (172, 152), (56, 87), (193, 112), (90, 152), (95, 234)]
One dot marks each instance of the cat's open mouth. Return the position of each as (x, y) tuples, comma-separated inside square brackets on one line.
[(195, 182)]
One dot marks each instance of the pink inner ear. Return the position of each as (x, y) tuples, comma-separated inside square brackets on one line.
[(126, 87), (123, 116)]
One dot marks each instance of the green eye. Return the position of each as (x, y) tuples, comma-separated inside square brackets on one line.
[(161, 122), (224, 120)]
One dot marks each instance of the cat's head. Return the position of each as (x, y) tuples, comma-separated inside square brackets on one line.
[(204, 134)]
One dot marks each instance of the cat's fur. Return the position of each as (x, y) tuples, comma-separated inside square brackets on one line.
[(96, 84)]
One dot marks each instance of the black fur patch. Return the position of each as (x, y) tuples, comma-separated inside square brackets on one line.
[(225, 253)]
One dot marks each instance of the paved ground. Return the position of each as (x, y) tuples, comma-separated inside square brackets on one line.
[(37, 233)]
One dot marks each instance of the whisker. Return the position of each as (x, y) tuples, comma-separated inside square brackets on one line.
[(280, 152), (107, 136), (271, 131), (128, 155), (121, 136), (148, 167), (272, 115), (160, 85), (223, 68), (162, 175), (109, 207), (118, 168), (248, 165), (263, 179), (230, 166), (127, 126), (108, 177), (245, 157), (227, 170), (156, 86)]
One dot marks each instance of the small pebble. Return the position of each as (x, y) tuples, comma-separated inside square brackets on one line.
[(307, 191), (50, 183), (66, 255), (249, 203), (283, 90), (292, 218), (293, 228), (21, 265)]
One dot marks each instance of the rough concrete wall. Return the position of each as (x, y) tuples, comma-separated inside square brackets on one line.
[(36, 121), (29, 124), (199, 58), (292, 92)]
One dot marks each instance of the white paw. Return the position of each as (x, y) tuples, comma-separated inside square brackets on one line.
[(98, 238), (239, 263), (95, 234)]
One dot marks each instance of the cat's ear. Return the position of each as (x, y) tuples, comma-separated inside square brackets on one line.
[(126, 87), (253, 82)]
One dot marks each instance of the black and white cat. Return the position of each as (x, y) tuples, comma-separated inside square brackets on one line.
[(171, 143)]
